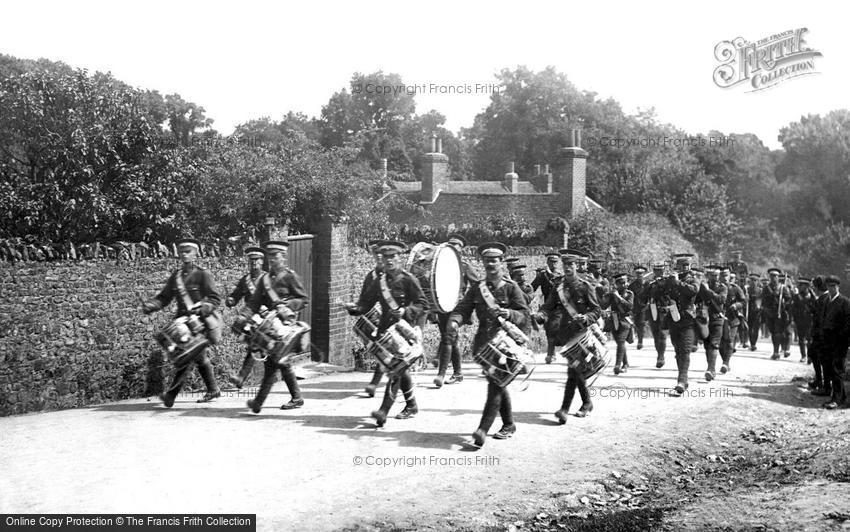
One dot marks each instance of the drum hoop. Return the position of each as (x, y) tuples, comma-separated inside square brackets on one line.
[(433, 274)]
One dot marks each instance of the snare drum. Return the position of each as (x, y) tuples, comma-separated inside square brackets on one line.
[(182, 339), (503, 359), (439, 272), (269, 336), (587, 352), (367, 324), (398, 348)]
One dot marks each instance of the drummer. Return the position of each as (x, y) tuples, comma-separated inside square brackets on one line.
[(569, 310), (279, 290), (245, 288), (370, 278), (194, 291), (517, 272), (400, 297), (448, 342), (493, 298)]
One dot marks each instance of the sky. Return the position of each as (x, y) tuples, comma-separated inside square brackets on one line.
[(246, 60)]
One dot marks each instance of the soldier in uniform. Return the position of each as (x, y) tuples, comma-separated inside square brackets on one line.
[(753, 314), (280, 290), (245, 288), (571, 307), (681, 288), (493, 298), (194, 290), (802, 307), (448, 342), (400, 297), (836, 332), (712, 295), (370, 278), (517, 274), (620, 301), (734, 309), (640, 288), (658, 306), (817, 352), (738, 267), (546, 279), (776, 302)]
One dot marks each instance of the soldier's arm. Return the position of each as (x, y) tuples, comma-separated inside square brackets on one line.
[(628, 303), (463, 311), (518, 312), (163, 298), (417, 303), (238, 293), (537, 281), (594, 311), (549, 305), (212, 297), (297, 298)]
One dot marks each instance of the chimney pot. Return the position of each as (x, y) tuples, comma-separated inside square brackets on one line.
[(439, 145), (384, 167), (433, 143)]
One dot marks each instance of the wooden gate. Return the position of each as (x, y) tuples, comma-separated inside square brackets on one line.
[(301, 261)]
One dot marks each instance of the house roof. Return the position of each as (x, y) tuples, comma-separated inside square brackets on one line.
[(469, 187)]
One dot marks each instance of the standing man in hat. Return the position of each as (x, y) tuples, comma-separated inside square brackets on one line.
[(569, 310), (195, 292), (448, 341), (734, 306), (372, 277), (493, 298), (713, 296), (818, 354), (659, 304), (802, 310), (738, 267), (836, 331), (753, 314), (682, 289), (547, 278), (640, 288), (776, 303), (280, 290), (400, 297), (245, 288), (620, 301)]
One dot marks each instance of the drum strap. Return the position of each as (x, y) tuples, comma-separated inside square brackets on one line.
[(181, 289), (267, 284), (249, 284), (564, 296), (386, 294), (487, 296)]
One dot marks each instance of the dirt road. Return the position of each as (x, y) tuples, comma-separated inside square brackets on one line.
[(326, 467)]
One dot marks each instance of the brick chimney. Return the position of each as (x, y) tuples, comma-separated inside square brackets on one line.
[(435, 171), (571, 175), (384, 169), (511, 180)]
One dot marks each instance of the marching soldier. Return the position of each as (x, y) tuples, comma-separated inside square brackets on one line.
[(569, 310), (400, 297), (493, 298), (659, 304), (280, 290), (194, 290), (448, 342), (734, 306), (517, 274), (836, 331), (713, 296), (776, 302), (640, 288), (371, 278), (245, 288), (620, 301), (753, 314), (802, 308), (738, 267), (547, 278), (681, 289)]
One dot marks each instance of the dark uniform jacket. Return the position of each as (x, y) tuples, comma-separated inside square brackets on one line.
[(684, 294), (818, 309), (802, 308), (770, 301), (508, 296), (582, 296), (244, 288), (713, 295), (199, 286), (405, 290), (621, 308), (545, 280), (287, 285), (836, 320), (640, 289), (734, 305)]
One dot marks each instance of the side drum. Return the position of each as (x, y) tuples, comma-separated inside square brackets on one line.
[(503, 359), (183, 339), (587, 352)]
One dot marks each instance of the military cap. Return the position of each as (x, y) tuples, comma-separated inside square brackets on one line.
[(189, 242), (683, 257), (391, 247), (572, 254), (804, 280), (623, 276), (659, 265), (273, 246), (640, 268), (713, 268), (754, 276), (373, 245), (553, 254), (725, 268), (832, 279), (456, 240), (517, 267), (255, 252), (492, 249), (510, 261), (774, 271)]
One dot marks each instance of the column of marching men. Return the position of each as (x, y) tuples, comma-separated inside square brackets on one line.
[(719, 306)]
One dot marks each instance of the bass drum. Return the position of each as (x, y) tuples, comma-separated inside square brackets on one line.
[(438, 269)]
